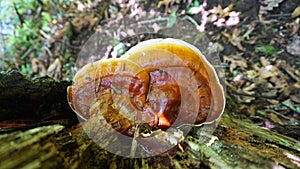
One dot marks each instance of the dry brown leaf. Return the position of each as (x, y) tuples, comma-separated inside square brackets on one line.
[(284, 92), (265, 7), (275, 118), (279, 82), (273, 102), (295, 93), (222, 13), (38, 67), (251, 74), (82, 22), (297, 85), (269, 71), (228, 9), (252, 110), (270, 93), (235, 39), (291, 71), (54, 70), (58, 34), (265, 86), (166, 3), (269, 5), (293, 47), (247, 99), (296, 12), (249, 90), (235, 62), (264, 61), (250, 29)]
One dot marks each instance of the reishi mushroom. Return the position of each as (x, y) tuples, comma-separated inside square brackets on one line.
[(158, 82)]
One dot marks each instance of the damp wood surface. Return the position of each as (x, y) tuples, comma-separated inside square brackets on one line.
[(58, 141)]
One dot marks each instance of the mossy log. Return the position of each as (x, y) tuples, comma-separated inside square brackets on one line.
[(56, 140)]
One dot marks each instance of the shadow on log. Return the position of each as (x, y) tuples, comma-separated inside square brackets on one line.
[(31, 101), (38, 130)]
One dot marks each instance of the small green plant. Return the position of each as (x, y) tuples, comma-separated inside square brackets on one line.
[(267, 50), (30, 20), (193, 8)]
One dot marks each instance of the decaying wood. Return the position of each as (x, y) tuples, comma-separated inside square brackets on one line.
[(59, 143), (30, 101)]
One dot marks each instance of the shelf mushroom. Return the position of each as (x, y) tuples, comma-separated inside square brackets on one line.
[(158, 83)]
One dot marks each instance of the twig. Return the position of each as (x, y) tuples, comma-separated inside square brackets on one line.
[(26, 52), (279, 15), (191, 20), (44, 34), (154, 20), (46, 49), (18, 14)]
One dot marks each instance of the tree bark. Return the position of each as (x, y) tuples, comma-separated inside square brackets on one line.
[(39, 130)]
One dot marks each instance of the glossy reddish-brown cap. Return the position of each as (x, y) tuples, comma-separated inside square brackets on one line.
[(152, 83), (174, 52), (116, 88)]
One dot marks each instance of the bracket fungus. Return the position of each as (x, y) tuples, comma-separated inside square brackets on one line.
[(158, 83)]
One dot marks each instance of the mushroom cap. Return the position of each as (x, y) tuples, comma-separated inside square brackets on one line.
[(114, 89), (184, 54), (160, 82)]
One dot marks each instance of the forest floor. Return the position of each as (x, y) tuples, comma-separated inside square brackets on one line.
[(258, 45), (257, 41)]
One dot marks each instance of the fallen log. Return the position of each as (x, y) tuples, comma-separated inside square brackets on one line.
[(39, 130)]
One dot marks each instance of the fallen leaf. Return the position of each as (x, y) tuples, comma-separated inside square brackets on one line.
[(251, 74), (82, 22), (265, 7), (280, 82), (295, 93), (167, 4), (252, 110), (227, 10), (235, 39), (269, 71), (249, 89), (275, 118), (264, 61), (293, 47), (54, 70), (247, 99), (58, 34), (273, 102), (296, 12), (235, 62), (270, 93), (291, 71), (38, 67), (269, 5)]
